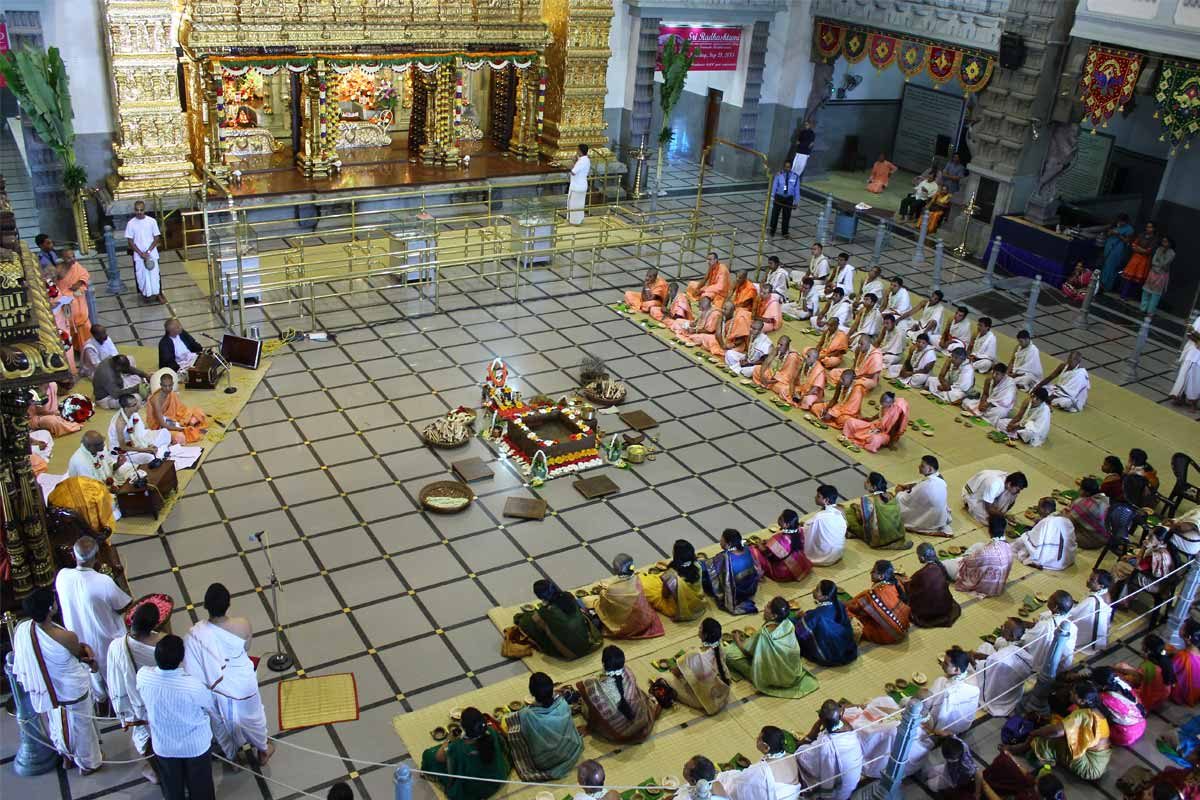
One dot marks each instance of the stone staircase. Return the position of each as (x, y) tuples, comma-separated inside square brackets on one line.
[(19, 185)]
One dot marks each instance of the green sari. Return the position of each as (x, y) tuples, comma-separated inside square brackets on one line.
[(463, 762), (543, 742), (877, 522), (557, 633), (774, 664)]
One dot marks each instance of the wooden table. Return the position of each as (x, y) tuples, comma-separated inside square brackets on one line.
[(149, 500)]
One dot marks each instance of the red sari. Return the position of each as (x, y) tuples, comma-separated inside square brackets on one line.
[(778, 561), (884, 616), (1186, 691)]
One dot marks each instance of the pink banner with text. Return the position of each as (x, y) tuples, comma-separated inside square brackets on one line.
[(718, 45)]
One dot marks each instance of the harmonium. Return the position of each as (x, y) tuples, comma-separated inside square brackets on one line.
[(205, 373)]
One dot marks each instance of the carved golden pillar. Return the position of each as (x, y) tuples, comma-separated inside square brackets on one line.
[(431, 150), (315, 158), (440, 146), (151, 147), (577, 61), (524, 143), (210, 82)]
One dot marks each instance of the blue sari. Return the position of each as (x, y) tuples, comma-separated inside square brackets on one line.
[(825, 635), (731, 577), (1116, 253), (545, 744)]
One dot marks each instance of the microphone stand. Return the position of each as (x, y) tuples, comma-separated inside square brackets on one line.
[(279, 661), (216, 354)]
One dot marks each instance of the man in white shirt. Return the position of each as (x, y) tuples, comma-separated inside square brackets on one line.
[(956, 380), (178, 708), (983, 346), (1093, 613), (128, 432), (891, 341), (830, 758), (998, 398), (91, 606), (1050, 544), (90, 460), (1033, 425), (930, 320), (912, 205), (958, 333), (825, 533), (1069, 384), (899, 301), (1000, 670), (1039, 639), (925, 506), (1186, 388), (590, 777), (578, 188), (992, 493), (758, 347), (144, 237), (844, 276), (917, 369), (1026, 363), (96, 349), (777, 277)]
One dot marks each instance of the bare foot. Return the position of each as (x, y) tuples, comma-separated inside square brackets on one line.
[(265, 755)]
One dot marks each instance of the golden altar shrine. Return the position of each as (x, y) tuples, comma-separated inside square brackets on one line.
[(295, 65)]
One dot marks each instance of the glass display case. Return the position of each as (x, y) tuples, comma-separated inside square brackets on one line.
[(412, 243), (533, 230)]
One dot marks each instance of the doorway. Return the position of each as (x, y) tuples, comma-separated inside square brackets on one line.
[(712, 118)]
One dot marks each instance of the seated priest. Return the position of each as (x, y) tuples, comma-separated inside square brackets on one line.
[(809, 304), (956, 379), (733, 333), (1025, 367), (680, 307), (653, 293), (1069, 384), (1031, 424), (1050, 544), (757, 348), (917, 366), (128, 433), (769, 308), (744, 294), (982, 349), (833, 344), (622, 606), (995, 403), (177, 349), (925, 506), (845, 403), (879, 430), (90, 499), (706, 320), (868, 363), (97, 348), (42, 412), (716, 284), (164, 410), (779, 369)]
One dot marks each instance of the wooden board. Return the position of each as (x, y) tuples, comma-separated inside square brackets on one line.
[(638, 420), (472, 469), (525, 508), (599, 486)]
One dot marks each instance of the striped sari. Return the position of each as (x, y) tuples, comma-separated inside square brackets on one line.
[(883, 615), (601, 701), (778, 561)]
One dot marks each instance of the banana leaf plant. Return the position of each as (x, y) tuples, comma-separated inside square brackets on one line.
[(677, 59)]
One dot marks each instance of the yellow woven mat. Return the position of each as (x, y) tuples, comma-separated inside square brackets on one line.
[(304, 702), (216, 404)]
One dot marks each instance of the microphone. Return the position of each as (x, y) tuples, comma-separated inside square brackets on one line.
[(256, 537)]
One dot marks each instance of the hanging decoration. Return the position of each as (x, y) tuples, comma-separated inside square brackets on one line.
[(541, 102), (973, 68), (1178, 98), (342, 63), (881, 49), (458, 108), (1109, 78)]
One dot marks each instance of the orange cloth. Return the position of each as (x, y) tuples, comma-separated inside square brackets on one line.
[(831, 354), (866, 369), (1137, 268), (79, 320), (744, 297), (658, 297), (45, 417), (812, 390), (768, 308), (704, 325), (37, 464), (680, 309), (847, 408), (716, 285), (777, 375), (87, 497), (879, 176), (884, 431), (192, 419), (737, 335)]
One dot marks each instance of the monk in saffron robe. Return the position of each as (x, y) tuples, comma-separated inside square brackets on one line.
[(769, 308), (743, 295), (716, 284), (707, 320), (87, 497), (733, 333), (778, 372), (164, 409), (679, 309), (832, 345), (45, 417), (653, 293), (882, 430), (622, 605), (72, 281), (810, 382), (846, 403), (868, 363)]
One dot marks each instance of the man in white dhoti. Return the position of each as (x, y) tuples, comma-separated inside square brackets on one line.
[(775, 777), (55, 669), (992, 492), (929, 320), (874, 284), (954, 700), (1038, 639), (1069, 384), (1000, 670), (844, 275), (982, 349), (1050, 544), (809, 304), (144, 237), (217, 655), (915, 371), (91, 606), (869, 320), (958, 332), (840, 309), (956, 379), (830, 758), (825, 533), (1186, 388), (126, 655), (1093, 613), (1032, 425), (99, 347), (995, 403), (758, 347), (891, 341), (128, 432), (876, 724), (578, 188), (899, 302), (925, 506), (1026, 365), (778, 277)]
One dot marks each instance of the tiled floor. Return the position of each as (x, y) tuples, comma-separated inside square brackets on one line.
[(326, 459)]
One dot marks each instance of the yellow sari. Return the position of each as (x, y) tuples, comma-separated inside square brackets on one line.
[(625, 613), (674, 597), (87, 497)]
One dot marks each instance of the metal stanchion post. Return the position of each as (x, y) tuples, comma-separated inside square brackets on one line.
[(991, 262), (403, 782), (828, 206), (1088, 296), (33, 756), (1037, 700), (1139, 345), (1031, 306), (1183, 606), (919, 251), (111, 268), (939, 255), (888, 786), (822, 226), (880, 232)]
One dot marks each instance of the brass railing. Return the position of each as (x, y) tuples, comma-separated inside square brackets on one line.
[(762, 157)]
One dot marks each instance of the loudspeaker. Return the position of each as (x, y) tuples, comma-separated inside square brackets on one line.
[(241, 351), (1012, 51)]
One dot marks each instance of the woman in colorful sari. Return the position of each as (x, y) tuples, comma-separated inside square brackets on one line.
[(1088, 513), (771, 658), (938, 208), (1078, 742), (933, 606), (678, 592), (1119, 702), (875, 517), (622, 606), (883, 609), (1153, 678), (617, 710), (731, 576), (1075, 288), (478, 753), (701, 679), (559, 626), (1116, 251), (1186, 691), (1138, 266), (1159, 275), (781, 558), (542, 738), (825, 632)]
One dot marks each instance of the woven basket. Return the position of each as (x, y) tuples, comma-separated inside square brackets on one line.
[(594, 397), (444, 489)]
